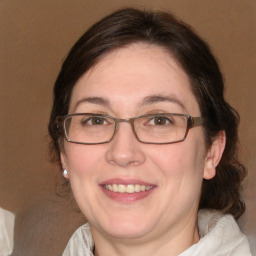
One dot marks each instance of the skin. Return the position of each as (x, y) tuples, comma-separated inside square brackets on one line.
[(164, 222)]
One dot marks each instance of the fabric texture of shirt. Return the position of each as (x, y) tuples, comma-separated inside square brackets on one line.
[(6, 232), (219, 236)]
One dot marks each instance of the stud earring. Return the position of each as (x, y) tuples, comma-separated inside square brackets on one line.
[(65, 173)]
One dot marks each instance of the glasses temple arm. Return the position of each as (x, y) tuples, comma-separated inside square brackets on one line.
[(196, 121)]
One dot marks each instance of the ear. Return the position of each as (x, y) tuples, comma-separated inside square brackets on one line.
[(214, 155), (64, 164), (63, 160)]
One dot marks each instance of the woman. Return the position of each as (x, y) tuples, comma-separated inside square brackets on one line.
[(147, 142)]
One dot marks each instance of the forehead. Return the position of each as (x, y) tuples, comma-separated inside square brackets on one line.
[(130, 74)]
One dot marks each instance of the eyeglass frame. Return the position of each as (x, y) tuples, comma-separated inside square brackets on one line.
[(191, 123)]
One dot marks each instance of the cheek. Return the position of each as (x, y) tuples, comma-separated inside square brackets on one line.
[(82, 159), (82, 162), (180, 160)]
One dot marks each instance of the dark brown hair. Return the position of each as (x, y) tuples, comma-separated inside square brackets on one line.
[(128, 26)]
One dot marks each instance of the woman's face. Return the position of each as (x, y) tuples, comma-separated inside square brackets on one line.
[(128, 82)]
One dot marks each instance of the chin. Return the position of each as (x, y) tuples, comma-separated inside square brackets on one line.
[(127, 233), (127, 229)]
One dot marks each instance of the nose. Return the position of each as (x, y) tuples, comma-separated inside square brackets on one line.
[(125, 150)]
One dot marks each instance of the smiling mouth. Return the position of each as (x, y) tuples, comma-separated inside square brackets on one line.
[(130, 188)]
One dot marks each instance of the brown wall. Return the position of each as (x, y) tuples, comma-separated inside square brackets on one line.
[(35, 37)]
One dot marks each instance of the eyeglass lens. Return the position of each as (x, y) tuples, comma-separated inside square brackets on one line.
[(92, 129)]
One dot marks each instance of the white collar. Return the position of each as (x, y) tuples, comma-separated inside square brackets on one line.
[(220, 236)]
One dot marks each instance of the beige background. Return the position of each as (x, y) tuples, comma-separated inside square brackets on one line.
[(35, 38)]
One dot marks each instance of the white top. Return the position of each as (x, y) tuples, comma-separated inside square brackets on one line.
[(220, 236), (6, 232)]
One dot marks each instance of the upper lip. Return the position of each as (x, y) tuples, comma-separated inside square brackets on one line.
[(125, 182)]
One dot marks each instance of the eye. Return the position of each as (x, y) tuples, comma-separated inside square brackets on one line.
[(159, 120), (94, 120)]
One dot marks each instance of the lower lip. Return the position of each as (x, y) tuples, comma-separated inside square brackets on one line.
[(126, 197)]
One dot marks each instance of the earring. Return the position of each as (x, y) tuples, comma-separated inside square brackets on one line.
[(65, 173)]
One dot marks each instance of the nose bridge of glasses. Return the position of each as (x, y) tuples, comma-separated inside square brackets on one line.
[(125, 120)]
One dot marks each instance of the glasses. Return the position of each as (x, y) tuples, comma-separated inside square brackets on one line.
[(164, 128)]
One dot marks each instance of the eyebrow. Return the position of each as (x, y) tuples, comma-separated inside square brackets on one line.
[(160, 98), (94, 100), (151, 99)]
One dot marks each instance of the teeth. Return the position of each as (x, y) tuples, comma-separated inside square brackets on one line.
[(137, 188), (121, 188), (114, 187), (131, 188)]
